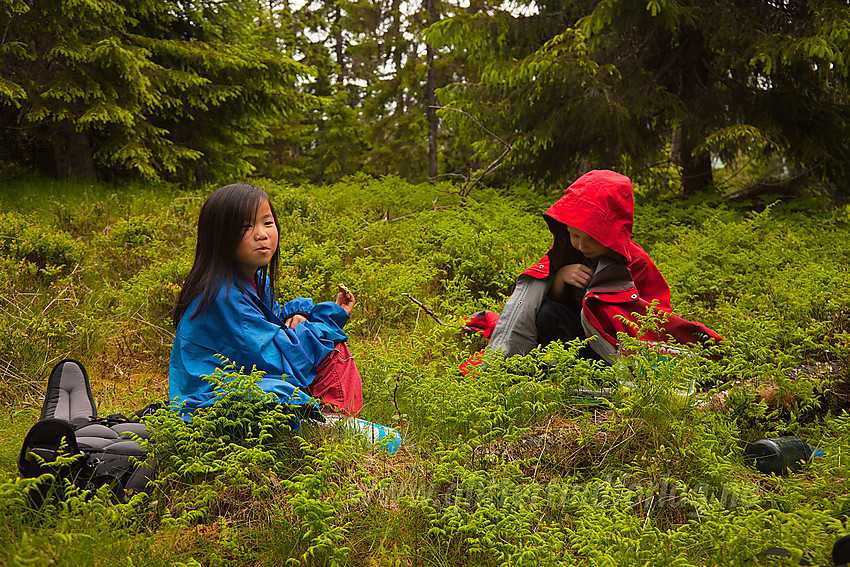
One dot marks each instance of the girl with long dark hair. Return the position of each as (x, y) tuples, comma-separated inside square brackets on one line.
[(228, 307)]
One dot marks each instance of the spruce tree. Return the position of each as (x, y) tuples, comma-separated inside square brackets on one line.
[(140, 87), (576, 85)]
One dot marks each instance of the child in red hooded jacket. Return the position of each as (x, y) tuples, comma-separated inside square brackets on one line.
[(592, 274)]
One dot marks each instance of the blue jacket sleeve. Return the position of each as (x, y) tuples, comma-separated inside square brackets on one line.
[(327, 312), (246, 330), (303, 305)]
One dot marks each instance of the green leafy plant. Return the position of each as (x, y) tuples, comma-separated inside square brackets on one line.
[(546, 458)]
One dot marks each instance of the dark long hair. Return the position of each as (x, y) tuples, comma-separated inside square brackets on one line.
[(221, 226)]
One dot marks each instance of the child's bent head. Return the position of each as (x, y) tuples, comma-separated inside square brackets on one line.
[(586, 244), (598, 207)]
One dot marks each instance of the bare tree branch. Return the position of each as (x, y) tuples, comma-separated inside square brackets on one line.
[(424, 308), (471, 182)]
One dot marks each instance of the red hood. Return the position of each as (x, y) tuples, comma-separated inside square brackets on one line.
[(600, 203)]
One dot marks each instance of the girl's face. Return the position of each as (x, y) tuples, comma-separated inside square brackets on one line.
[(590, 247), (259, 241)]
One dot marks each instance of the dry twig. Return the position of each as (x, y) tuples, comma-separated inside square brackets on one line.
[(424, 308)]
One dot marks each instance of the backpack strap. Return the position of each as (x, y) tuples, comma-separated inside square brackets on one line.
[(69, 396)]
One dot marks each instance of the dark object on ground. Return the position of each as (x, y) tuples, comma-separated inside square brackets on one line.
[(841, 552), (71, 441), (781, 552), (778, 455)]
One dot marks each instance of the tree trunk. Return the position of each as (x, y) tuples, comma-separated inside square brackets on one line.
[(697, 173), (695, 164), (72, 153), (339, 44), (431, 97)]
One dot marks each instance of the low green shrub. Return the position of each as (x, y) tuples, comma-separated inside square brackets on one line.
[(538, 459), (81, 528), (41, 251)]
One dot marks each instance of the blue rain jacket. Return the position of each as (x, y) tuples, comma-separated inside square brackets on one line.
[(250, 332)]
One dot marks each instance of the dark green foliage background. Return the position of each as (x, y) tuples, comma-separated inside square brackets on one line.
[(512, 466)]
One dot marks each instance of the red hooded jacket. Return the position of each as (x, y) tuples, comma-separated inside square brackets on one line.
[(601, 204)]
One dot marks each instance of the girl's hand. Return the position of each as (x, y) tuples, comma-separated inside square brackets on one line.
[(292, 322), (345, 298)]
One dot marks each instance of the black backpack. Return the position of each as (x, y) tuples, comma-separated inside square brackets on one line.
[(105, 450)]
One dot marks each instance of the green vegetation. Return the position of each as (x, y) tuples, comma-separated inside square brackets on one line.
[(516, 465), (141, 89)]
